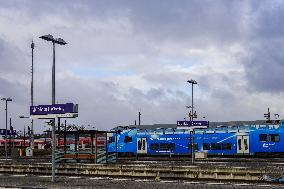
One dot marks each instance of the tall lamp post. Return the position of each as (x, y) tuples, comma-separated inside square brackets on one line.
[(192, 82), (54, 41), (60, 42), (6, 109)]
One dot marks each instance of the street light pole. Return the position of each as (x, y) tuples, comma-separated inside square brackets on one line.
[(53, 125), (31, 137), (60, 42), (53, 74), (6, 107), (54, 41), (192, 82)]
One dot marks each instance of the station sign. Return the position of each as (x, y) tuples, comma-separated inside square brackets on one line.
[(68, 110), (192, 124), (9, 132)]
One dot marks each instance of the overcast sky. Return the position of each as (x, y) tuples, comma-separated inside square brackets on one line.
[(128, 56)]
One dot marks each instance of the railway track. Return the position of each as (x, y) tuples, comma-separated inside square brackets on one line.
[(147, 171), (210, 159), (265, 163), (231, 169), (166, 160)]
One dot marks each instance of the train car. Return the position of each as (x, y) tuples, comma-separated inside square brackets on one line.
[(124, 143), (21, 143), (246, 140), (162, 142)]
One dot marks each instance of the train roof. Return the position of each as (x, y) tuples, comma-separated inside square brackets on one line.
[(217, 129), (211, 124)]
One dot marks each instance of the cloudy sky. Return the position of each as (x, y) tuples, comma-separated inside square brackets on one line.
[(128, 56)]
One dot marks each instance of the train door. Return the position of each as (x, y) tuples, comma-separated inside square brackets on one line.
[(141, 146), (243, 144)]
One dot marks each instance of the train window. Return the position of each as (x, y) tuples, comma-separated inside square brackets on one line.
[(154, 146), (206, 146), (273, 138), (195, 146), (167, 146), (111, 139), (215, 146), (164, 146), (246, 144), (263, 137), (226, 146), (172, 146), (139, 144), (127, 139), (240, 144)]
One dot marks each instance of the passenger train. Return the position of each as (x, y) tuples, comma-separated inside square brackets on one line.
[(248, 140)]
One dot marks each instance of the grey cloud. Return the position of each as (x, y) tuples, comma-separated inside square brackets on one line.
[(191, 22), (130, 37), (196, 23), (12, 59), (99, 103), (155, 94), (13, 90), (264, 64)]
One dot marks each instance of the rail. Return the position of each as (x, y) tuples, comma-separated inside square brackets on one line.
[(147, 171)]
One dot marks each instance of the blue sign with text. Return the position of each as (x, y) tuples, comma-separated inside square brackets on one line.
[(192, 123), (54, 109)]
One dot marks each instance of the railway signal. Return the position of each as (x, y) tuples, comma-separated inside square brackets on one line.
[(267, 116), (192, 115)]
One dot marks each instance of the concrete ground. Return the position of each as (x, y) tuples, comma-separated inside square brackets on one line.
[(35, 181)]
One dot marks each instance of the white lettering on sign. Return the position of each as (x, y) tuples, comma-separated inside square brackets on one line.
[(47, 109)]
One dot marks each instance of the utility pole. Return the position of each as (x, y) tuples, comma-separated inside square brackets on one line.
[(32, 97), (6, 153), (24, 136), (139, 118)]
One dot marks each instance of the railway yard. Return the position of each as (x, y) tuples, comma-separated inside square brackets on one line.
[(146, 173), (166, 158), (116, 112)]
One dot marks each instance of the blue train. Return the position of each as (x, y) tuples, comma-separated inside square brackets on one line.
[(266, 139)]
